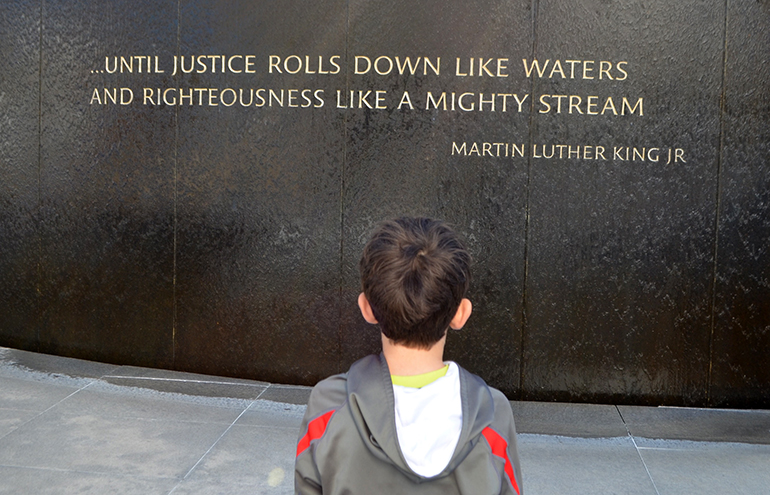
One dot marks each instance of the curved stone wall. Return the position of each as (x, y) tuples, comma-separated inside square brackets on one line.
[(188, 185)]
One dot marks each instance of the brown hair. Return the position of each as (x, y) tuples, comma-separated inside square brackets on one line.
[(414, 273)]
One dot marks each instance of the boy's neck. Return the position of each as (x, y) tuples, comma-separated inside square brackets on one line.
[(408, 361)]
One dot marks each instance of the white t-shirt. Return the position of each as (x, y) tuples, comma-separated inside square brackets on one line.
[(429, 421)]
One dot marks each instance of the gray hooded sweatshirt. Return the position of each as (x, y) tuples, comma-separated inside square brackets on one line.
[(349, 443)]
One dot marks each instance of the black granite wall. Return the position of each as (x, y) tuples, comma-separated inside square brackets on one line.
[(615, 195)]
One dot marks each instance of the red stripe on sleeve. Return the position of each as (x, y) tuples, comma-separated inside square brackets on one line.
[(500, 449), (315, 429)]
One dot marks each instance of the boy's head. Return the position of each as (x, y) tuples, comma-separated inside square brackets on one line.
[(414, 274)]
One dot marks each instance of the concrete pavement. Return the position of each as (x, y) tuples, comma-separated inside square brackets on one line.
[(71, 426)]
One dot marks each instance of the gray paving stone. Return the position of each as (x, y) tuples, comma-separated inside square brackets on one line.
[(288, 394), (14, 360), (140, 372), (695, 468), (109, 400), (198, 487), (31, 395), (718, 425), (554, 465), (10, 419), (268, 413), (191, 387), (262, 458), (576, 420), (20, 480), (119, 446)]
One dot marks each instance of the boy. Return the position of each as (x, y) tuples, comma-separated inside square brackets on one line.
[(405, 421)]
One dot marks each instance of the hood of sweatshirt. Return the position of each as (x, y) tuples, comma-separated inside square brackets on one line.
[(372, 404)]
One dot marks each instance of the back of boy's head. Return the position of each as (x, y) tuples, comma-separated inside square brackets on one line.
[(414, 273)]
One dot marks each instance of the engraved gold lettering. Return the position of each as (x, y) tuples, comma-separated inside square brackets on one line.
[(334, 63), (306, 98), (362, 99), (230, 64), (520, 102), (584, 69), (557, 68), (307, 66), (127, 64), (435, 68), (625, 74), (95, 97), (535, 65), (458, 73), (261, 102), (430, 100), (293, 94), (545, 104), (604, 69), (107, 65), (240, 97), (286, 64), (182, 67), (201, 60), (126, 96), (482, 101), (460, 102), (318, 95), (639, 104), (407, 65), (148, 93), (679, 155), (223, 100), (405, 100), (249, 64), (183, 97), (591, 103), (571, 67), (611, 105), (501, 67), (574, 102), (166, 99), (359, 58), (339, 103), (483, 67), (379, 98), (274, 97), (377, 65)]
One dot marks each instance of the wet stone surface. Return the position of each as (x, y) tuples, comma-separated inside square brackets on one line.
[(189, 186)]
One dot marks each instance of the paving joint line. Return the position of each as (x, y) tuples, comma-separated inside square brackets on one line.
[(638, 451), (217, 441), (183, 380), (93, 380)]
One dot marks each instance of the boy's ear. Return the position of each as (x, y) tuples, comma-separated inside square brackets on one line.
[(462, 315), (366, 309)]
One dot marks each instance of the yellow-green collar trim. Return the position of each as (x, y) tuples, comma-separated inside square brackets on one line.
[(419, 381)]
